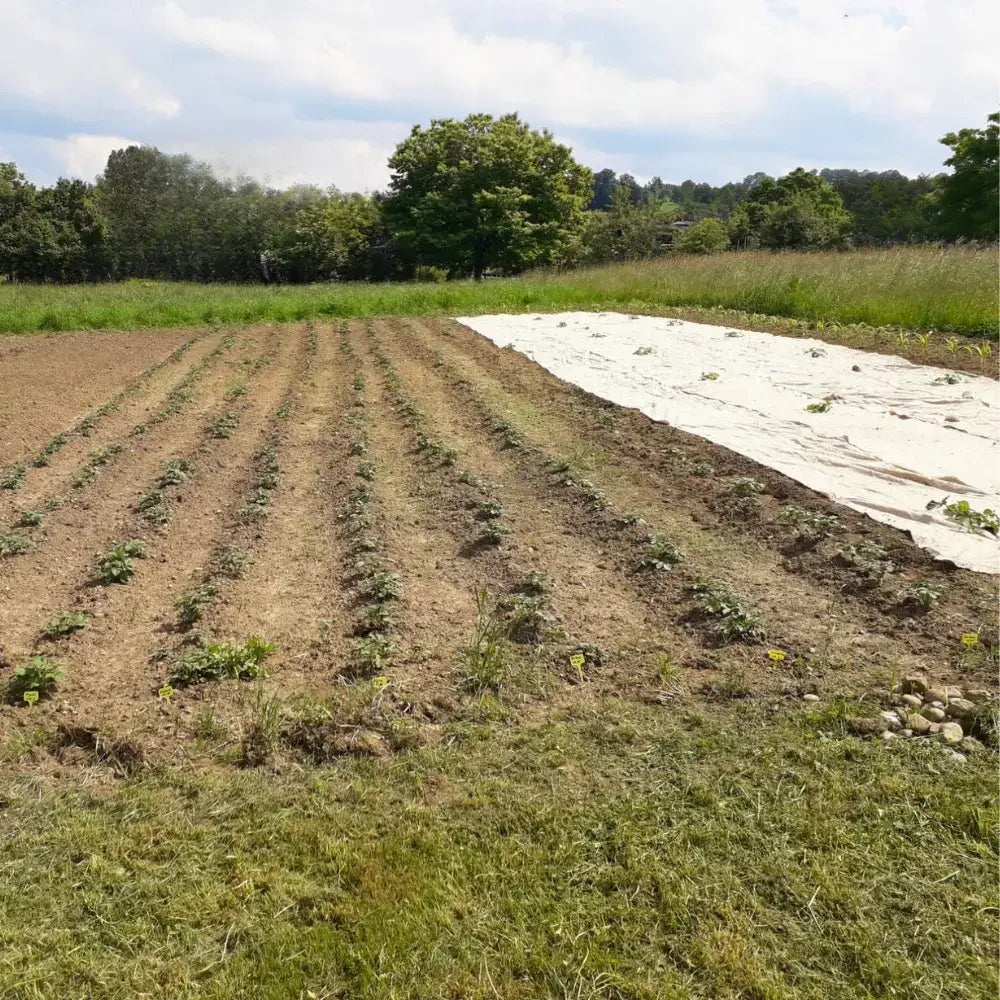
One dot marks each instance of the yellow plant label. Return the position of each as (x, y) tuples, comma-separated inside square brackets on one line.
[(379, 682), (577, 660), (165, 692), (31, 697), (776, 654), (970, 638)]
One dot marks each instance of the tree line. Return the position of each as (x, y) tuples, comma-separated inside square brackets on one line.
[(466, 198)]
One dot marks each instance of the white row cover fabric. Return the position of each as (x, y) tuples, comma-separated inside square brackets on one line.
[(896, 435)]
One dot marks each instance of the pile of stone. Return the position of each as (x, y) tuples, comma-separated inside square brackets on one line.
[(947, 713)]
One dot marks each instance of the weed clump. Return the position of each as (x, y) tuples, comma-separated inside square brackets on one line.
[(223, 660)]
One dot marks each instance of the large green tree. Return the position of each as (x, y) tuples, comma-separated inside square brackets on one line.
[(799, 211), (486, 193), (968, 204)]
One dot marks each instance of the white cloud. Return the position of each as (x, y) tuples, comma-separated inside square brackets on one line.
[(270, 88), (86, 155)]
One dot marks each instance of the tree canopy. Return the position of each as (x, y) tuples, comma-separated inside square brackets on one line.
[(967, 204), (484, 193)]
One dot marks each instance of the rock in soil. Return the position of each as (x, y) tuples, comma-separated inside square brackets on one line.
[(978, 695), (951, 732), (959, 707), (936, 694), (810, 697), (932, 713), (914, 684), (867, 726), (971, 745), (892, 720), (919, 724), (913, 701)]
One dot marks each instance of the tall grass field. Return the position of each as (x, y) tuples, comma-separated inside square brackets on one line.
[(952, 289)]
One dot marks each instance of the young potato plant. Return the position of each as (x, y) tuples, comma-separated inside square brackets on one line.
[(968, 517), (922, 594), (661, 554), (811, 525), (153, 508), (734, 620), (224, 426), (51, 447), (228, 561), (39, 677), (191, 603), (12, 478), (117, 565), (175, 471), (871, 562), (15, 545), (29, 517), (63, 624)]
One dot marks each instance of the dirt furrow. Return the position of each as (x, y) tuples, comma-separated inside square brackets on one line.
[(111, 681), (51, 383), (594, 602), (73, 533), (817, 626), (292, 594), (147, 397), (632, 448)]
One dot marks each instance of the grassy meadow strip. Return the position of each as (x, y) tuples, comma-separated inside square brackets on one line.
[(621, 853), (952, 289)]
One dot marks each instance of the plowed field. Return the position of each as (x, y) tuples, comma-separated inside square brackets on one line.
[(391, 489)]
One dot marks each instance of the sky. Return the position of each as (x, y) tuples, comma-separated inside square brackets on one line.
[(314, 91)]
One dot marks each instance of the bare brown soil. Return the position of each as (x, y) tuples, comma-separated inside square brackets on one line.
[(433, 434), (47, 384)]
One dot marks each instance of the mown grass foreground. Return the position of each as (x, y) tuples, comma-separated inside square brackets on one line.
[(619, 854), (951, 289)]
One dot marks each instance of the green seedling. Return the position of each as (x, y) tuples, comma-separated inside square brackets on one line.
[(228, 561), (971, 519), (811, 525), (12, 477), (870, 560), (643, 351), (174, 473), (385, 587), (153, 508), (371, 655), (28, 517), (53, 445), (375, 618), (709, 376), (922, 593), (661, 554), (734, 619), (952, 344), (63, 624), (745, 486), (219, 661), (358, 446), (39, 676), (820, 407), (15, 545), (490, 510), (536, 582), (191, 603), (492, 534), (117, 565), (366, 470), (224, 426)]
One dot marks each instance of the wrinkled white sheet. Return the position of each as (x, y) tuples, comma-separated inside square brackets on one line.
[(896, 436)]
